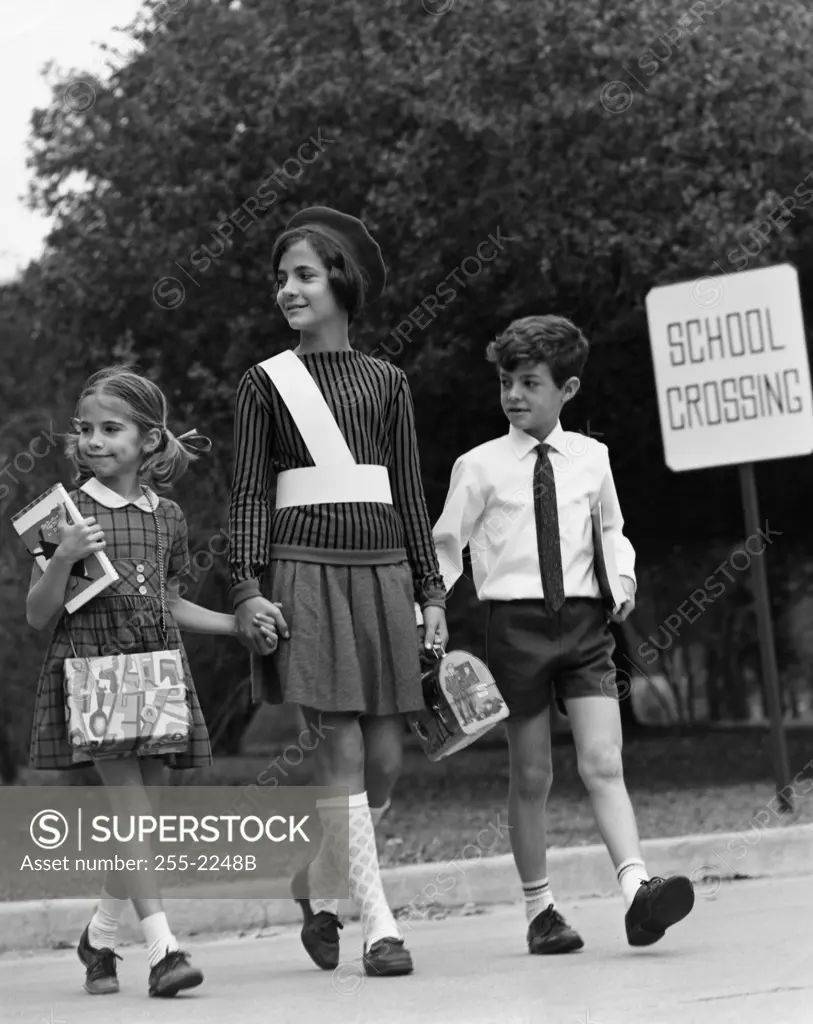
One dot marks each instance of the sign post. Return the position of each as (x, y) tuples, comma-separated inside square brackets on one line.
[(733, 382), (767, 650)]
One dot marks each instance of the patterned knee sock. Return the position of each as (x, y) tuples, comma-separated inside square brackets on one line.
[(366, 887), (537, 897), (319, 867), (630, 874), (323, 873)]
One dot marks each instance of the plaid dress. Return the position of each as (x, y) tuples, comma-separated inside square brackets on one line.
[(125, 618)]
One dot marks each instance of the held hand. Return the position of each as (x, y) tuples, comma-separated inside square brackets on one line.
[(248, 626), (262, 638), (258, 643), (267, 627), (79, 540), (435, 631), (627, 606)]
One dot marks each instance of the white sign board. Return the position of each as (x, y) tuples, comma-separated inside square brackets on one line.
[(731, 368)]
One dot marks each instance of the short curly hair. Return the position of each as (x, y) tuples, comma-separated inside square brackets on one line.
[(552, 340)]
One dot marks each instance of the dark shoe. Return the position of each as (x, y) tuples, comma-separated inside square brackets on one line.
[(550, 933), (173, 974), (387, 958), (101, 978), (320, 932), (658, 904)]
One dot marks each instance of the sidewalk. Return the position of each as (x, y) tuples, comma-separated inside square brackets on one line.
[(575, 872)]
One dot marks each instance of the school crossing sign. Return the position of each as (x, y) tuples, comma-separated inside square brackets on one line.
[(731, 369)]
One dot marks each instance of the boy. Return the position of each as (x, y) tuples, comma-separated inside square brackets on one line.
[(523, 502)]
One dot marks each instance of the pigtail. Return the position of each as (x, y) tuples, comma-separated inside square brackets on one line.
[(172, 458)]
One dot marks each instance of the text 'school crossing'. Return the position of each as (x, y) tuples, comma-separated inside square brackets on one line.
[(728, 399)]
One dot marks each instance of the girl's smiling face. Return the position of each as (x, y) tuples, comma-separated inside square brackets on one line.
[(110, 441), (303, 291)]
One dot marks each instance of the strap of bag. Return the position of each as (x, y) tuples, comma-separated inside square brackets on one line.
[(160, 577), (308, 408)]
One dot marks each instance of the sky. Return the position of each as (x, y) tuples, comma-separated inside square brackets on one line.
[(33, 32)]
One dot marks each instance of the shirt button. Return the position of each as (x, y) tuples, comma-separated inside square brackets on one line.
[(140, 578), (139, 568), (142, 590)]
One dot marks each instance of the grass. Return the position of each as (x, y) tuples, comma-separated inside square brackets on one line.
[(711, 781)]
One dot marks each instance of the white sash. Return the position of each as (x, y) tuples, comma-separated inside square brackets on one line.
[(335, 477)]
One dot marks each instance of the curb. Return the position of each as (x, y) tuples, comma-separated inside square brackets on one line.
[(577, 872)]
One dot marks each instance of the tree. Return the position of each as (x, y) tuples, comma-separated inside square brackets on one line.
[(495, 156)]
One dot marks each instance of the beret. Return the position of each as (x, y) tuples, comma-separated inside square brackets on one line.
[(352, 236)]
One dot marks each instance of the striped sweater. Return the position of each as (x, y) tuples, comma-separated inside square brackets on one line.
[(372, 405)]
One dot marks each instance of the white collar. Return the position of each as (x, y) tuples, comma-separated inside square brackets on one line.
[(97, 490), (523, 444)]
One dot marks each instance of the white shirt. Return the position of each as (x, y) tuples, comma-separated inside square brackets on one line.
[(490, 508)]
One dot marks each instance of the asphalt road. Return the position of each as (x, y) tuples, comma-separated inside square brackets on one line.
[(743, 956)]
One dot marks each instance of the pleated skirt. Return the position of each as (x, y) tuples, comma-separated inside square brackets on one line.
[(353, 643)]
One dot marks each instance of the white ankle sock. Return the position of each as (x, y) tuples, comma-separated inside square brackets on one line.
[(104, 924), (159, 938), (366, 887), (537, 897), (630, 874), (323, 873)]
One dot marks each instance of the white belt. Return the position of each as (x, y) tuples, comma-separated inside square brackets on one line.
[(323, 485), (336, 477)]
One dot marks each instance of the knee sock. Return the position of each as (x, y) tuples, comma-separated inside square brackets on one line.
[(323, 872), (105, 922), (630, 874), (538, 897), (159, 938), (366, 887), (317, 868)]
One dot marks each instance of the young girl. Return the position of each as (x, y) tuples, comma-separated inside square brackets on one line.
[(349, 547), (123, 453)]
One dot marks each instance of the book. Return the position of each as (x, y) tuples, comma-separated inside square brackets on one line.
[(37, 526), (604, 562)]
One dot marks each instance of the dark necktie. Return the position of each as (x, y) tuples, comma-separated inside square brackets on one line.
[(547, 531)]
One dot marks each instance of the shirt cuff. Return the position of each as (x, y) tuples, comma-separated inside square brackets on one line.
[(430, 592), (244, 591)]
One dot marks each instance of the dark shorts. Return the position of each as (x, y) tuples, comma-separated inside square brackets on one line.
[(535, 656)]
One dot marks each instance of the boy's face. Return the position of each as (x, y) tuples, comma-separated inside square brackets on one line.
[(531, 400)]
